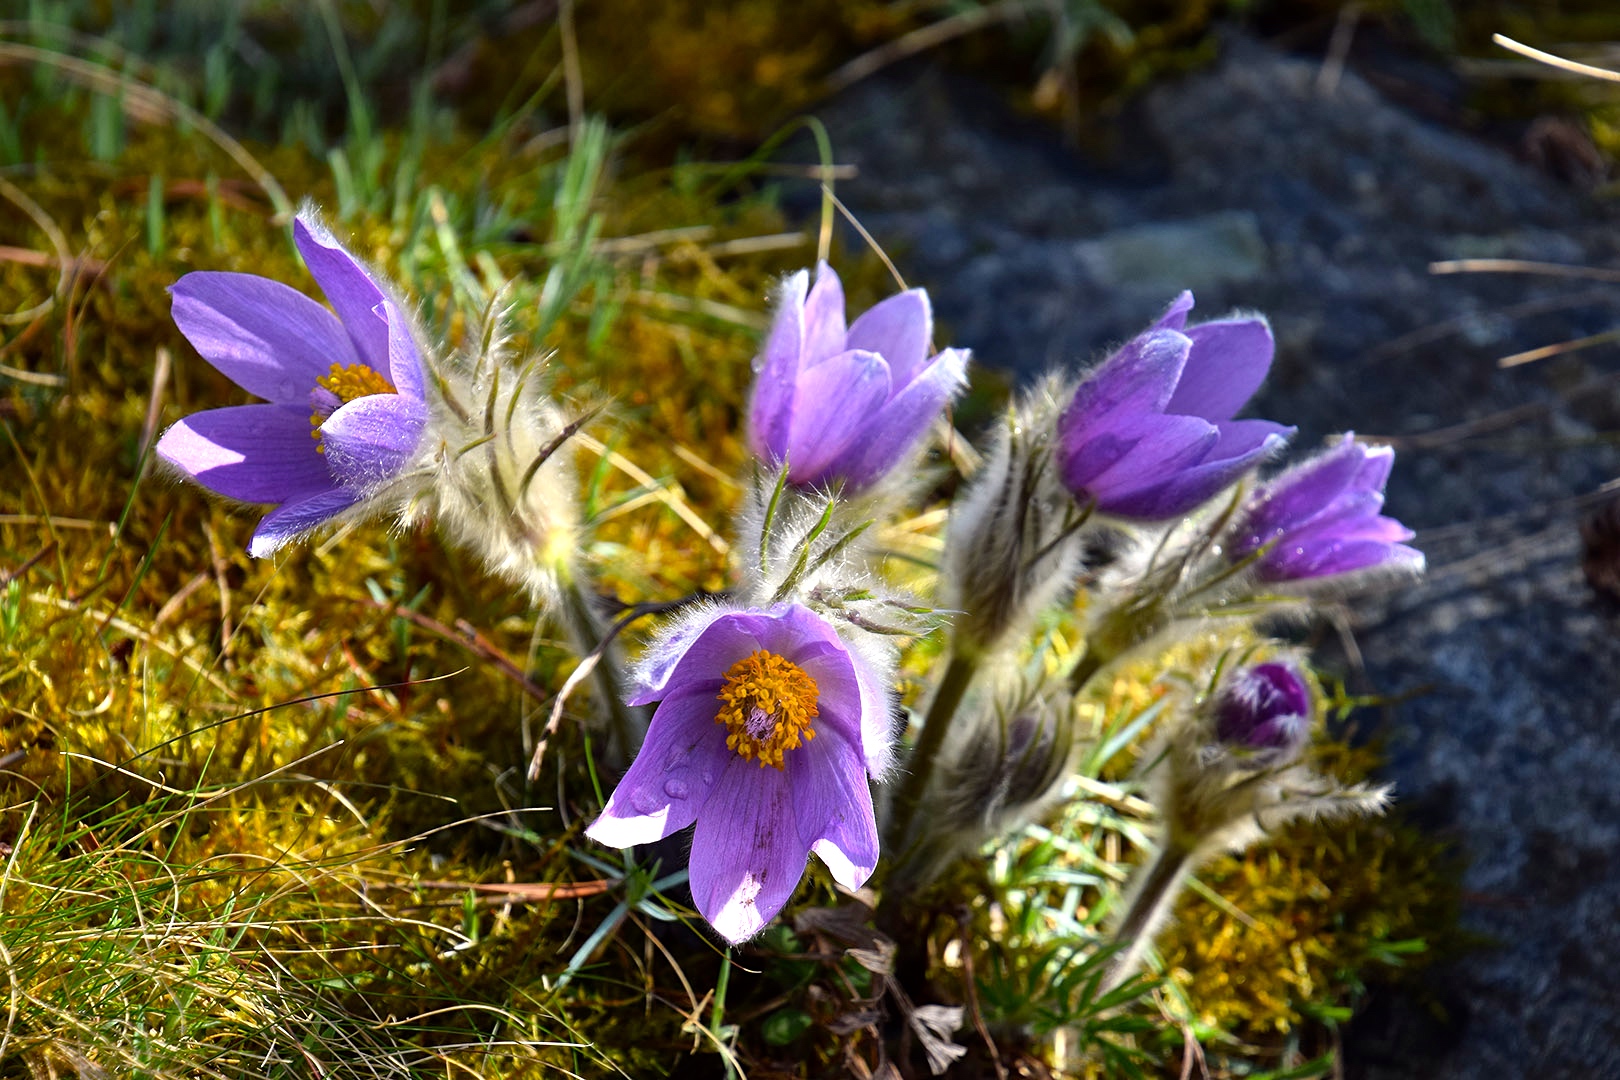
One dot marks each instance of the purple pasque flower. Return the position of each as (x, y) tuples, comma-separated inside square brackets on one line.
[(1149, 435), (1321, 518), (847, 404), (1266, 709), (763, 737), (344, 408)]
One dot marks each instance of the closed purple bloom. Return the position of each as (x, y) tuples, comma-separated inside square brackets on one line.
[(1150, 435), (344, 407), (847, 404), (760, 738), (1265, 708), (1322, 518)]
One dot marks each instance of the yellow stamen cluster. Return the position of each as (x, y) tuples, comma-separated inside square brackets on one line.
[(767, 704), (348, 383)]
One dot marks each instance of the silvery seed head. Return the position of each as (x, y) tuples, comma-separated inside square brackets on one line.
[(504, 483)]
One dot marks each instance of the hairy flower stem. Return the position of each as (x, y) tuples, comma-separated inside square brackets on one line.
[(589, 638), (920, 766), (1150, 905)]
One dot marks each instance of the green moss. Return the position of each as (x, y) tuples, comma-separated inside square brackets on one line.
[(1324, 912)]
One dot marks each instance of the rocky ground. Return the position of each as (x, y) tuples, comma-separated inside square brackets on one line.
[(1258, 185)]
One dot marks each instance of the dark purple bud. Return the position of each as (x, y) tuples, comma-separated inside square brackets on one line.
[(1321, 518), (1266, 707), (1149, 435)]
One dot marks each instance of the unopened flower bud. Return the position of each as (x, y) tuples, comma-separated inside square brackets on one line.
[(1265, 708), (1014, 541)]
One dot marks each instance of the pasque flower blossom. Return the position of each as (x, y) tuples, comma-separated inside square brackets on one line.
[(344, 407), (1149, 435), (767, 728), (847, 404), (1321, 518)]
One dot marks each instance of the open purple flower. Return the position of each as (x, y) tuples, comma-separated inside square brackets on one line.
[(766, 729), (1266, 709), (1321, 518), (1149, 435), (847, 404), (344, 408)]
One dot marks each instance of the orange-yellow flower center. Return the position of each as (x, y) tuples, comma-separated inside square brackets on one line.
[(355, 381), (348, 383), (767, 705)]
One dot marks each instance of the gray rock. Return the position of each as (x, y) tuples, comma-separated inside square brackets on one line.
[(1162, 258), (1325, 212)]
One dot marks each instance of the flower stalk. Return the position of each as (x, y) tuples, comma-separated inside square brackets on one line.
[(1151, 901), (953, 687)]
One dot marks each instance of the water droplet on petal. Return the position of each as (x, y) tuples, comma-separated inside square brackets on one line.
[(676, 789), (646, 802)]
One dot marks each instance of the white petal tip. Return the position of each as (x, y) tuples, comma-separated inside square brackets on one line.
[(843, 870), (623, 832)]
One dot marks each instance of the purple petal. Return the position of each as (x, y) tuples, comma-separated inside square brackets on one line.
[(1229, 361), (838, 692), (289, 522), (791, 628), (898, 330), (720, 643), (404, 355), (1082, 456), (269, 339), (1376, 463), (777, 367), (252, 453), (877, 719), (835, 403), (1240, 437), (904, 420), (1295, 496), (370, 439), (670, 780), (349, 288), (1168, 445), (833, 806), (823, 319), (747, 856), (1353, 516), (1193, 486), (1291, 561), (653, 673), (1175, 316), (1265, 707), (1139, 378)]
